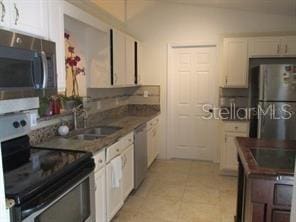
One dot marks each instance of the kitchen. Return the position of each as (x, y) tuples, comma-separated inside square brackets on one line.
[(155, 156)]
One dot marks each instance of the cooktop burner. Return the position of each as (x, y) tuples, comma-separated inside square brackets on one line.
[(31, 169), (275, 158)]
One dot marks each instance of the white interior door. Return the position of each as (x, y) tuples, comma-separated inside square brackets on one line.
[(192, 84)]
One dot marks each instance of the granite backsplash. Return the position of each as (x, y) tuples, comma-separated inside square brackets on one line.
[(45, 133)]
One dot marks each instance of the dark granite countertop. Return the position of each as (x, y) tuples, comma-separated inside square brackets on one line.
[(127, 123), (267, 157)]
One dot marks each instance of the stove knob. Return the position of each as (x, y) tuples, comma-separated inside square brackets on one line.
[(23, 123), (16, 124)]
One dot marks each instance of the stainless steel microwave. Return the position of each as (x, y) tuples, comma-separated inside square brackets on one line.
[(27, 66)]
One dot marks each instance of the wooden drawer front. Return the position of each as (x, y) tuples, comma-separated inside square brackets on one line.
[(113, 151), (118, 147), (283, 194), (280, 216), (126, 141), (100, 159), (236, 127), (153, 122)]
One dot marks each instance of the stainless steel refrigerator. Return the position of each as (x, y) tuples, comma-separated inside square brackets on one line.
[(273, 92)]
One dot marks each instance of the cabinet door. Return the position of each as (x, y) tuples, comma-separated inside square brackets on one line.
[(4, 13), (114, 195), (128, 171), (229, 152), (289, 46), (156, 138), (99, 73), (150, 145), (265, 47), (119, 70), (236, 62), (29, 16), (100, 195), (139, 57), (130, 61)]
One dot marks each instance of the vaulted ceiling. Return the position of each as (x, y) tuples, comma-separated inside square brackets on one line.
[(284, 7)]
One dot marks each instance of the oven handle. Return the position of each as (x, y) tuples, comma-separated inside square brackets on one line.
[(45, 205), (45, 69)]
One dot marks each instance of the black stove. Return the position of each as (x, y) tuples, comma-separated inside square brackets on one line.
[(35, 176)]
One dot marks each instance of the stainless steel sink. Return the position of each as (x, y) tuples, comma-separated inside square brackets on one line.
[(103, 130), (86, 137), (96, 133)]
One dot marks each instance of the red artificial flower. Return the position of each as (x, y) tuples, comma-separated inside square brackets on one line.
[(77, 58), (66, 35), (71, 49), (68, 60)]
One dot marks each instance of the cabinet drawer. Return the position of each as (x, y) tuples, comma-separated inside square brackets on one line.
[(118, 147), (153, 122), (100, 159), (242, 127), (113, 151), (127, 140)]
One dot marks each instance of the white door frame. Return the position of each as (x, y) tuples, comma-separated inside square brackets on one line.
[(171, 47)]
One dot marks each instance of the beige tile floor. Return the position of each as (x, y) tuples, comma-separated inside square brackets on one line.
[(182, 191)]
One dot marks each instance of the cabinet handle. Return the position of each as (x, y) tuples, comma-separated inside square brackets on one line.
[(3, 11), (286, 48), (235, 127), (226, 80), (17, 14), (225, 139), (117, 150), (278, 49)]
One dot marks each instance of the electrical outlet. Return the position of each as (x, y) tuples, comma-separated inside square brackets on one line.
[(146, 93), (33, 119)]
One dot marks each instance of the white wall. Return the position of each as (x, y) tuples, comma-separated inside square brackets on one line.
[(158, 23)]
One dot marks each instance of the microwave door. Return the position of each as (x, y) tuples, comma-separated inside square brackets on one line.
[(16, 67)]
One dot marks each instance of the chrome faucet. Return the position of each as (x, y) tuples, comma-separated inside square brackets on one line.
[(76, 112)]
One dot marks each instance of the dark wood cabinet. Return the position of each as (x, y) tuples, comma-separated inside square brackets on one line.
[(264, 198)]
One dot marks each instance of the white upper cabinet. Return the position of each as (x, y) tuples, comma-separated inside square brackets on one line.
[(29, 16), (99, 58), (124, 59), (119, 70), (235, 55), (4, 13), (265, 46), (130, 60), (273, 46), (289, 46), (26, 16)]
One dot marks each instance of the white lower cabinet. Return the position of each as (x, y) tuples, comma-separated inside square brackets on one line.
[(229, 155), (153, 140), (100, 195), (128, 171), (114, 194), (117, 193)]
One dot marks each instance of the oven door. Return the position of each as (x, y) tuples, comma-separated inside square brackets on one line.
[(75, 205)]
